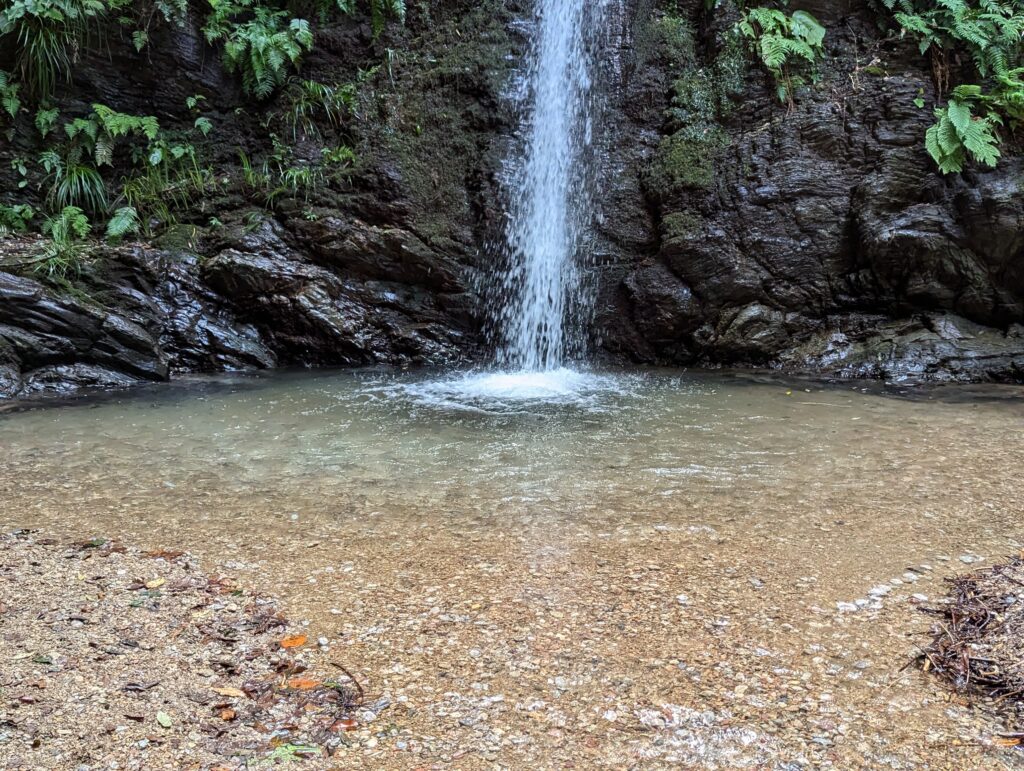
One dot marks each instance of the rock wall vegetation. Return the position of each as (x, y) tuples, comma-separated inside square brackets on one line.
[(802, 211), (196, 185)]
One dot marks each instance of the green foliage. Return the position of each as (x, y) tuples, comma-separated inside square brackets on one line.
[(788, 45), (124, 222), (16, 218), (990, 32), (74, 181), (308, 104), (45, 36), (157, 191), (46, 120), (9, 98), (380, 10), (62, 254), (259, 42), (959, 133)]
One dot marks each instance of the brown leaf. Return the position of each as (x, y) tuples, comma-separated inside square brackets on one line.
[(302, 683), (166, 554), (293, 641), (227, 714)]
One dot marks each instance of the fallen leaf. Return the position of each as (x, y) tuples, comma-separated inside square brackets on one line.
[(163, 719), (227, 714), (293, 641), (236, 692), (1005, 741), (302, 683), (344, 724), (166, 554), (155, 583)]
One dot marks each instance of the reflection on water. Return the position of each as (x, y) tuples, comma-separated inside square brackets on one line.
[(614, 447)]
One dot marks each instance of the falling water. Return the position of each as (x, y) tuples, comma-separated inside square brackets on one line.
[(541, 319)]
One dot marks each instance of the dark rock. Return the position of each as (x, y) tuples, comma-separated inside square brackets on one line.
[(818, 238)]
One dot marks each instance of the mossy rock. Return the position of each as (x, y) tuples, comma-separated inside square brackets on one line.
[(685, 161), (680, 226)]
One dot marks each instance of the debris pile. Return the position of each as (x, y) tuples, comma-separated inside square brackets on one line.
[(979, 640)]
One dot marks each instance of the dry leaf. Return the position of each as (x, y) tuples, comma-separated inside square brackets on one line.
[(236, 692), (155, 583), (293, 641), (302, 683), (227, 714)]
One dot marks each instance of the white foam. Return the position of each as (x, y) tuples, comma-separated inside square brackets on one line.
[(504, 391)]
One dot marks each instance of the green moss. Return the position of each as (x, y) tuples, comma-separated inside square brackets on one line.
[(433, 113), (685, 160), (674, 36), (680, 226)]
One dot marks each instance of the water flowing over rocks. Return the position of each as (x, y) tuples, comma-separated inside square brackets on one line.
[(732, 230)]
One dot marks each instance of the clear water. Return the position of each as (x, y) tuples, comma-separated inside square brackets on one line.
[(539, 315), (561, 444), (643, 539)]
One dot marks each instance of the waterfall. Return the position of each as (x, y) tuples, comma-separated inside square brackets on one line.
[(542, 313)]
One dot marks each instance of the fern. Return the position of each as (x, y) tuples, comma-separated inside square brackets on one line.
[(16, 218), (62, 254), (990, 33), (261, 48), (9, 98), (789, 46), (959, 134), (124, 222)]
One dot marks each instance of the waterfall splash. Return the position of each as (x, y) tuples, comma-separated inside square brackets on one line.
[(542, 305), (541, 319)]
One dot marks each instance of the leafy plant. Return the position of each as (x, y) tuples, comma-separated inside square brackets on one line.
[(46, 120), (124, 222), (380, 10), (74, 181), (960, 133), (789, 46), (309, 102), (45, 36), (260, 47), (991, 32), (16, 218), (62, 254), (157, 191), (9, 98)]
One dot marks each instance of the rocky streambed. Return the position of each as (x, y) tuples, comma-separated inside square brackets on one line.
[(715, 573)]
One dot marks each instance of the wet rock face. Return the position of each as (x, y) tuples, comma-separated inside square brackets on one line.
[(376, 266), (731, 229), (794, 235)]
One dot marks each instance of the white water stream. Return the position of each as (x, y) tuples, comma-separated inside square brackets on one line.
[(549, 202), (542, 305)]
